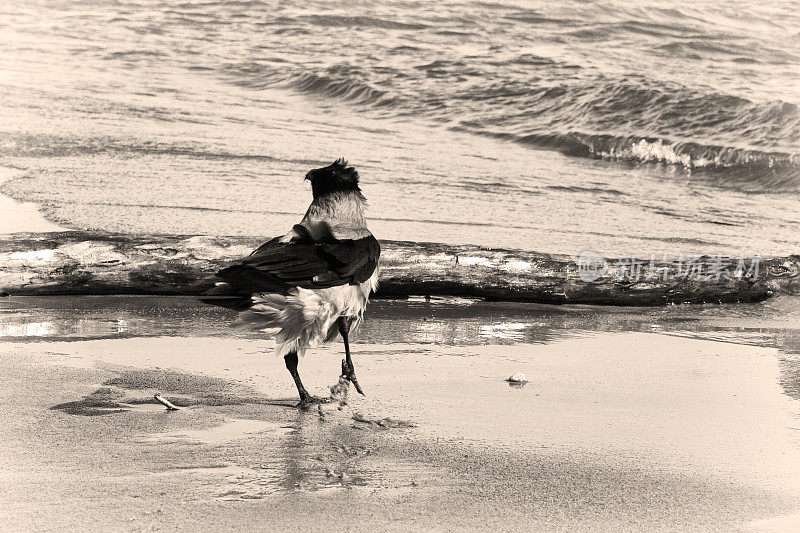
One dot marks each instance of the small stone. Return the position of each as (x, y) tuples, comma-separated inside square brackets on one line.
[(519, 377)]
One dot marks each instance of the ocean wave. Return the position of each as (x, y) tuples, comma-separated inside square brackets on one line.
[(38, 146), (345, 89), (747, 170), (532, 17), (739, 52), (362, 22), (134, 54), (339, 82)]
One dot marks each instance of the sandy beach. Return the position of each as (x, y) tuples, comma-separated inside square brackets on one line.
[(681, 418)]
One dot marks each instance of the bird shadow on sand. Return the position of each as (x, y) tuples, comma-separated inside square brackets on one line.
[(134, 389)]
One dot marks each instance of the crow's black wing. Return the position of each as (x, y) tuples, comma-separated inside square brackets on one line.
[(310, 264), (278, 266)]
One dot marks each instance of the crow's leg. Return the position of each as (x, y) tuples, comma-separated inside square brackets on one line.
[(291, 364), (348, 370)]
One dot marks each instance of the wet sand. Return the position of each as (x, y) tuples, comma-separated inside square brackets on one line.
[(682, 418), (21, 216)]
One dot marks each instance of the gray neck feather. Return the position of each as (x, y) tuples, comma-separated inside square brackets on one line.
[(339, 209)]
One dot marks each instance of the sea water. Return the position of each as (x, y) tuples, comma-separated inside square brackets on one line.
[(617, 127)]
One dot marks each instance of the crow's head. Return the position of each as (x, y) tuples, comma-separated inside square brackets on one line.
[(336, 177)]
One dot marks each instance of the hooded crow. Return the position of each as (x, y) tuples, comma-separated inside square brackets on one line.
[(314, 282)]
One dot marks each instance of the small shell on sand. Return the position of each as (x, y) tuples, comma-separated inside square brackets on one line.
[(519, 377)]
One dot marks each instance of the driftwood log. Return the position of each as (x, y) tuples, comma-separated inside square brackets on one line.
[(77, 262), (166, 403)]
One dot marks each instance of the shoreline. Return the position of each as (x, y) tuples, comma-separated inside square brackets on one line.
[(41, 257), (21, 216)]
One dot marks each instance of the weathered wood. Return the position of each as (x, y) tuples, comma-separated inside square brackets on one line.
[(166, 403), (77, 262)]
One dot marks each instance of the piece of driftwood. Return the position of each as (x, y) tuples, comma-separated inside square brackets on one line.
[(76, 262), (166, 403)]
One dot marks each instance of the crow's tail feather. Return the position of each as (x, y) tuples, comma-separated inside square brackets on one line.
[(224, 295)]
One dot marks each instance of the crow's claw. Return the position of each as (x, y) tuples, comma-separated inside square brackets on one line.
[(350, 374)]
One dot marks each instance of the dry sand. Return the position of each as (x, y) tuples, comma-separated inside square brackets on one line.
[(669, 419)]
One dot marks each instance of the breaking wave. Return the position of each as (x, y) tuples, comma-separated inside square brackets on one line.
[(747, 170)]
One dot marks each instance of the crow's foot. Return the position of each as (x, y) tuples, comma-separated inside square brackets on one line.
[(308, 401), (349, 372)]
